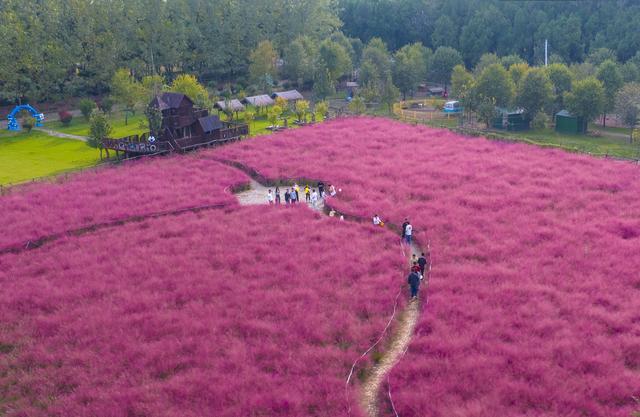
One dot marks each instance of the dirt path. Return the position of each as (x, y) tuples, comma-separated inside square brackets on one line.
[(60, 134), (405, 322)]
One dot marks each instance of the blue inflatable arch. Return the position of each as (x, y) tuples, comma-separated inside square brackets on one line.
[(13, 122)]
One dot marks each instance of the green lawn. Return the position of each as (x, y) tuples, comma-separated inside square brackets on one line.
[(80, 126), (583, 143), (25, 156), (621, 130)]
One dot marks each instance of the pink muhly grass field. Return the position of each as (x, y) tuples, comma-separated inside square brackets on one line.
[(136, 188), (534, 304), (254, 311)]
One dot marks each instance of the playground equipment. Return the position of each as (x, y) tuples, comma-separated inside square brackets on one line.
[(13, 122)]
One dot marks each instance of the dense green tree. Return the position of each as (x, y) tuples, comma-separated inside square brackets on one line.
[(586, 98), (535, 92), (298, 62), (486, 60), (86, 106), (630, 72), (611, 78), (461, 82), (518, 71), (442, 63), (445, 33), (336, 59), (389, 93), (357, 106), (377, 55), (508, 60), (126, 91), (494, 84), (188, 85), (409, 68), (99, 128), (599, 55), (561, 78), (322, 83), (262, 62)]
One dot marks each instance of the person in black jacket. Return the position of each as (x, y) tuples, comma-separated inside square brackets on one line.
[(321, 189), (287, 197), (414, 283), (422, 261)]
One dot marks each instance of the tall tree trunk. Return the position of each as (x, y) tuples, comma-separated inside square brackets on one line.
[(604, 120)]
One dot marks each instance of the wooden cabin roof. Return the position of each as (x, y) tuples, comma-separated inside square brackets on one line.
[(234, 104), (166, 101), (210, 123), (258, 101), (288, 95)]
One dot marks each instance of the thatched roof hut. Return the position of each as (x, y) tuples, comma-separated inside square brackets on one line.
[(259, 101), (291, 95), (235, 105)]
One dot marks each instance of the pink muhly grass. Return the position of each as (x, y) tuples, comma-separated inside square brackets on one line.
[(534, 297), (255, 311), (136, 188)]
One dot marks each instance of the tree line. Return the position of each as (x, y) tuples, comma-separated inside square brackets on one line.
[(61, 48)]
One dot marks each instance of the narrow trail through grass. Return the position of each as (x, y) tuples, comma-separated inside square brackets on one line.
[(404, 323)]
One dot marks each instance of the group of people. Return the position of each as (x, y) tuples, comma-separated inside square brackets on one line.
[(292, 195), (416, 275)]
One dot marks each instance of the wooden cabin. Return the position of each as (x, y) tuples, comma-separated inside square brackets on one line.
[(183, 127)]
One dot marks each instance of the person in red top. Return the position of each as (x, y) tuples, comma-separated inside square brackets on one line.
[(415, 267)]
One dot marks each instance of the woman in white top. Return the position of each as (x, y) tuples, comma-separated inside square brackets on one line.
[(376, 220), (270, 197)]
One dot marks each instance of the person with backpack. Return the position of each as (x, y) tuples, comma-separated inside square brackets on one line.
[(414, 283)]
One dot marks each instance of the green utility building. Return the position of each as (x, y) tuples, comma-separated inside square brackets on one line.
[(512, 120), (567, 123)]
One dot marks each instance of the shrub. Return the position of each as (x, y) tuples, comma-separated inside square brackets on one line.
[(65, 117), (540, 120), (106, 105), (86, 107), (28, 123), (99, 129)]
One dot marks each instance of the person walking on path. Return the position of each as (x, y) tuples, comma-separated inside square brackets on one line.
[(307, 194), (404, 228), (321, 189), (277, 195), (408, 232), (414, 259), (270, 197), (422, 261), (287, 196), (297, 196), (414, 283), (376, 220), (314, 198), (416, 268), (293, 195), (332, 190)]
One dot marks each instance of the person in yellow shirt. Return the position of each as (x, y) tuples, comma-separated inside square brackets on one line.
[(307, 193)]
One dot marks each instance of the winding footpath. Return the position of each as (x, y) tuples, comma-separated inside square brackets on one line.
[(404, 323)]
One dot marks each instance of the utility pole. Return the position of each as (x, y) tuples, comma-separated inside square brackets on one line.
[(546, 52)]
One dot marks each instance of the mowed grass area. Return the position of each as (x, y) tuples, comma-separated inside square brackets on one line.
[(80, 126), (583, 143), (25, 156)]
